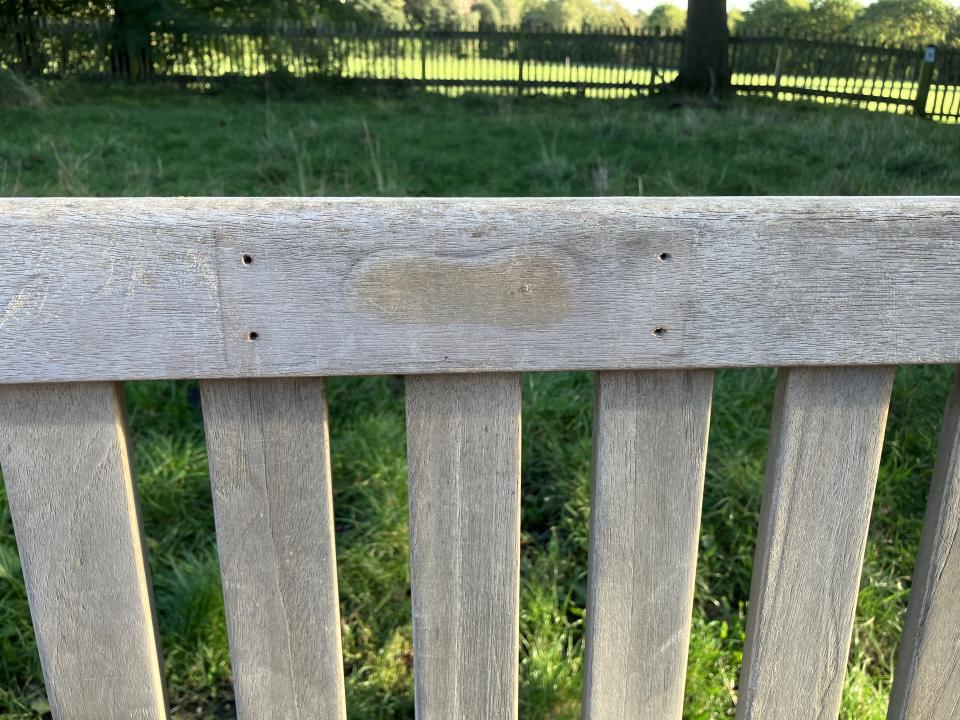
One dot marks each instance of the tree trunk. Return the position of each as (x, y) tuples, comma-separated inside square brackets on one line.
[(130, 55), (20, 15), (704, 67)]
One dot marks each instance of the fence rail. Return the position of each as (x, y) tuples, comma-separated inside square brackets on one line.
[(599, 63)]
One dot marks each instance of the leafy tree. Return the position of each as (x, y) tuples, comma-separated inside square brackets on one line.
[(191, 14), (909, 22), (832, 17), (22, 9), (433, 12), (575, 14), (777, 16), (487, 12), (667, 17), (555, 14), (734, 19), (511, 11), (611, 14), (19, 12), (384, 12), (953, 36)]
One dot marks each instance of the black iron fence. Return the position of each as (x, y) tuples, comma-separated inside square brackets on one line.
[(602, 63)]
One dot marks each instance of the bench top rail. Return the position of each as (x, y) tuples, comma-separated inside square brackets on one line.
[(122, 289)]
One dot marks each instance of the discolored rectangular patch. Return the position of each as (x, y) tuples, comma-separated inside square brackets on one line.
[(532, 290)]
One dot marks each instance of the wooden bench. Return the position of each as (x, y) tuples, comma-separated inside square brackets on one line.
[(262, 298)]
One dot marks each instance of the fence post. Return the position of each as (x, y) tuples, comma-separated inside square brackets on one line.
[(520, 61), (654, 53), (423, 56), (777, 72), (923, 82)]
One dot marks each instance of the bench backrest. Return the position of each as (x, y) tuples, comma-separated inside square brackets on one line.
[(262, 298)]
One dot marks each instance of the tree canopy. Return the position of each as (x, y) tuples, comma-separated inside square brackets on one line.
[(908, 22), (911, 22), (667, 16), (190, 14)]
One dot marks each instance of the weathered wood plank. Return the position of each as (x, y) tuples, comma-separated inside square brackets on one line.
[(270, 472), (821, 473), (158, 287), (926, 684), (73, 501), (463, 450), (650, 450)]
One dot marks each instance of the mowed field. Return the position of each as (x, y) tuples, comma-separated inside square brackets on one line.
[(101, 140)]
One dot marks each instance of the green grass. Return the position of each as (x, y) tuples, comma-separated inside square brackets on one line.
[(96, 141)]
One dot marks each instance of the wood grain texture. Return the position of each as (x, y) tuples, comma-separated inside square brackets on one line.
[(96, 289), (66, 465), (825, 444), (926, 684), (650, 451), (270, 472), (463, 450)]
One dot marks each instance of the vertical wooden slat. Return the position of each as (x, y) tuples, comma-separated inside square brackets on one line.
[(821, 473), (463, 450), (66, 464), (650, 448), (926, 684), (270, 472)]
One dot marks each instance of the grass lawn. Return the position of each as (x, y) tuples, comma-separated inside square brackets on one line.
[(158, 141)]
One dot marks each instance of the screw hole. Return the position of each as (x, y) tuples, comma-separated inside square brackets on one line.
[(664, 256), (253, 335), (659, 332), (246, 259)]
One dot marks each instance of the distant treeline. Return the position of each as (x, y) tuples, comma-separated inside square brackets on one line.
[(900, 22), (894, 22)]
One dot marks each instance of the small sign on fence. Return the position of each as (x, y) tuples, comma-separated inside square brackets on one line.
[(923, 82)]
